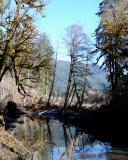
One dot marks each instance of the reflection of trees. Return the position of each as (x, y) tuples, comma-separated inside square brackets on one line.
[(33, 134), (50, 137), (38, 140), (70, 138), (74, 145)]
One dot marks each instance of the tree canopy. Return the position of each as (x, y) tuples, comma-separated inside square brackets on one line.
[(18, 37), (112, 41)]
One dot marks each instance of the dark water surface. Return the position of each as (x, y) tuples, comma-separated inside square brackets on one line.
[(50, 139)]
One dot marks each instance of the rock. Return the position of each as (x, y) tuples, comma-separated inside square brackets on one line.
[(11, 110)]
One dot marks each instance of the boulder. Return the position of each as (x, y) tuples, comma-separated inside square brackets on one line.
[(11, 110)]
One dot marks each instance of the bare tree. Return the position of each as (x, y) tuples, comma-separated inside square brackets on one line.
[(53, 80), (78, 46)]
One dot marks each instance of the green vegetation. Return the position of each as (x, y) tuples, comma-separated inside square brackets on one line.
[(111, 41), (19, 52), (28, 58)]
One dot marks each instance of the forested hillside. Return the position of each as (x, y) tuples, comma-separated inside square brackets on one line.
[(97, 79)]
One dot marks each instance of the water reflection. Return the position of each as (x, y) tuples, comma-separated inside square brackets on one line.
[(53, 140)]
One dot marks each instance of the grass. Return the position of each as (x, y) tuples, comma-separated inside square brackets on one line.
[(11, 147)]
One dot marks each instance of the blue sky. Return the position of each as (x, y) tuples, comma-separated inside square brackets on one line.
[(59, 14)]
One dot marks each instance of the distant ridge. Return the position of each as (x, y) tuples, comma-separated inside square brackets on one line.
[(97, 80)]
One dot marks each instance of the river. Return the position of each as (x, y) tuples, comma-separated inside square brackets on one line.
[(50, 139)]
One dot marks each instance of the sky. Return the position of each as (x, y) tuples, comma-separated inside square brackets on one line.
[(59, 14)]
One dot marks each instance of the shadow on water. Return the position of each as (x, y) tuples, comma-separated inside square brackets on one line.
[(50, 139)]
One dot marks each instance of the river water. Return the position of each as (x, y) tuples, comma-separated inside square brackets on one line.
[(49, 139)]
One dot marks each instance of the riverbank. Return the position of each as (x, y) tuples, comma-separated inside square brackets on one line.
[(106, 123)]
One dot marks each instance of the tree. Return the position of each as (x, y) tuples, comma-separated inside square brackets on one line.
[(53, 78), (45, 53), (1, 6), (78, 46), (18, 53), (112, 41)]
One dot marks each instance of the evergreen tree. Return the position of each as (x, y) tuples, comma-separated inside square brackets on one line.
[(112, 41)]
